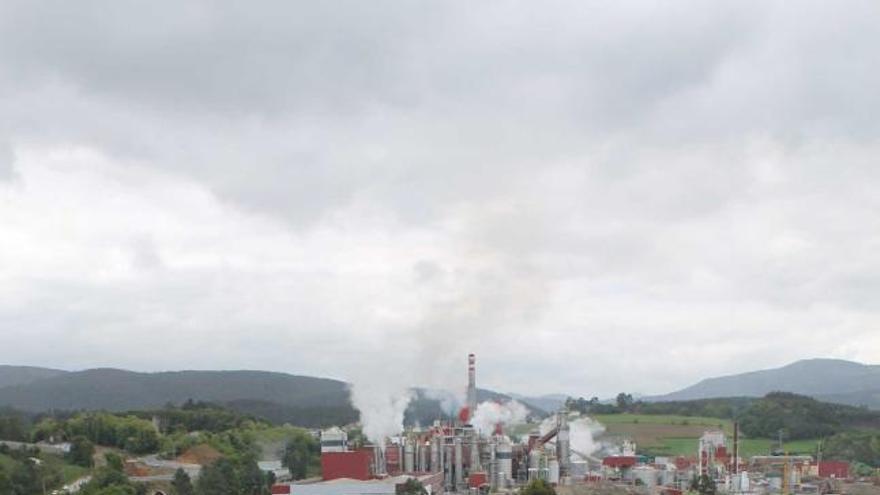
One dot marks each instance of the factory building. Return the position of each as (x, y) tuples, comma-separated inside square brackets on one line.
[(453, 456), (449, 456), (346, 486)]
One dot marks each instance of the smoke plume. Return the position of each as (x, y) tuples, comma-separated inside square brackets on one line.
[(479, 288), (583, 436), (381, 412), (489, 414)]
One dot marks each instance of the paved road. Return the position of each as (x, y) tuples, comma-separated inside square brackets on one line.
[(153, 461)]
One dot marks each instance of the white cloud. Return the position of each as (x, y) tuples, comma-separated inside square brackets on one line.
[(574, 191)]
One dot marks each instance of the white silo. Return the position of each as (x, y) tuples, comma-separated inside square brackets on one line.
[(408, 456), (504, 460), (553, 471)]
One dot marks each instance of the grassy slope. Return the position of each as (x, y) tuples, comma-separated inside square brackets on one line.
[(69, 472), (678, 435), (6, 462)]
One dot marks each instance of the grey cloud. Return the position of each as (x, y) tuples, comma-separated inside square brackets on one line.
[(630, 156)]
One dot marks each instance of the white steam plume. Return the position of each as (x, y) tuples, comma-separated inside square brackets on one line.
[(381, 410), (489, 414), (583, 436), (463, 295)]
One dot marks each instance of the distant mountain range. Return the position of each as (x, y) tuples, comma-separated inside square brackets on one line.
[(22, 375), (278, 397), (829, 380), (311, 401)]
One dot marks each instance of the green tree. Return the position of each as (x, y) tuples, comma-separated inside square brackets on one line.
[(5, 482), (625, 402), (704, 485), (25, 479), (182, 484), (412, 486), (538, 487), (251, 478), (862, 470), (301, 453), (114, 462), (218, 478), (82, 452), (12, 428)]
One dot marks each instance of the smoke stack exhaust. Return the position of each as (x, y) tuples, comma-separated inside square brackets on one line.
[(472, 386)]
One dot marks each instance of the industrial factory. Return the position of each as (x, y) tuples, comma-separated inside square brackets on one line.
[(457, 457)]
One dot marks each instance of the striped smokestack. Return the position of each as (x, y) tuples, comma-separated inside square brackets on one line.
[(472, 386)]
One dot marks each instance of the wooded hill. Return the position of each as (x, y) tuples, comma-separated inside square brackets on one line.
[(828, 380), (277, 397)]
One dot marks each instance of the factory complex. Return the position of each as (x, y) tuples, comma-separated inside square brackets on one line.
[(455, 457)]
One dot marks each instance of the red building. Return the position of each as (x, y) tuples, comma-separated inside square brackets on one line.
[(683, 463), (620, 461), (354, 465), (833, 469), (478, 479)]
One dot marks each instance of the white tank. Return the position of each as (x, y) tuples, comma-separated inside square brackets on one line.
[(422, 454), (447, 463), (436, 465), (504, 460), (408, 457), (459, 463), (743, 479), (647, 475), (334, 440), (563, 445), (475, 452), (553, 471), (535, 459)]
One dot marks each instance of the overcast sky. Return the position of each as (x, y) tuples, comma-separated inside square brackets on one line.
[(592, 196)]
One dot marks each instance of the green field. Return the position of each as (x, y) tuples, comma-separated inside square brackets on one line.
[(71, 473), (747, 446), (6, 462), (664, 419), (670, 435)]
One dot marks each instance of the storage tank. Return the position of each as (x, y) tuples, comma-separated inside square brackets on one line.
[(422, 453), (447, 464), (408, 456), (504, 460), (563, 445), (475, 451), (646, 474), (334, 440), (536, 458), (436, 465), (553, 471), (459, 463)]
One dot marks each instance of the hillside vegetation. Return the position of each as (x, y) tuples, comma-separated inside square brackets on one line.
[(672, 428), (799, 417), (225, 442), (671, 435)]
